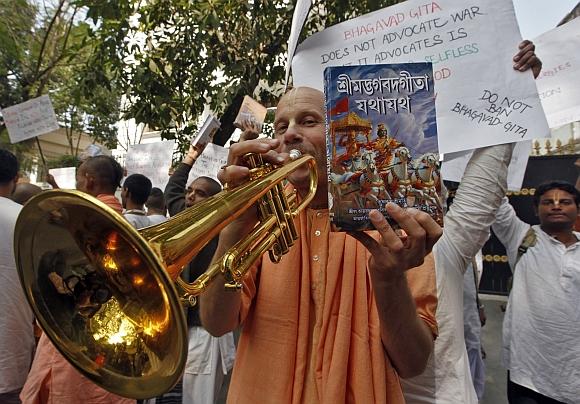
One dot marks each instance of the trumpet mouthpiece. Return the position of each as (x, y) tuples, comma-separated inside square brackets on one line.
[(295, 154)]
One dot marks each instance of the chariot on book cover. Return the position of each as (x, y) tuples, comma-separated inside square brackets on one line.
[(381, 141)]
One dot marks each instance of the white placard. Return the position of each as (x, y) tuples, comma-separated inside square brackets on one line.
[(481, 99), (29, 119), (298, 18), (209, 162), (65, 177), (454, 165), (152, 160), (558, 82)]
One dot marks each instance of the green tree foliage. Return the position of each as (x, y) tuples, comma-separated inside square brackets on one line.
[(184, 55), (45, 47)]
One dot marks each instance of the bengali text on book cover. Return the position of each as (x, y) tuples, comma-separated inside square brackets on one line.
[(381, 141)]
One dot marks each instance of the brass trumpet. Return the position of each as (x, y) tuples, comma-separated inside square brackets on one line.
[(110, 298)]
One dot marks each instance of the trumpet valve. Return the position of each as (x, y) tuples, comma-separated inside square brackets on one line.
[(233, 286)]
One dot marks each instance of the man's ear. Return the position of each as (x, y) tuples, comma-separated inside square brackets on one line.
[(91, 182), (14, 182), (535, 209)]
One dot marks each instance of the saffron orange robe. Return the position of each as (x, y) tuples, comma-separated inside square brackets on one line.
[(311, 331)]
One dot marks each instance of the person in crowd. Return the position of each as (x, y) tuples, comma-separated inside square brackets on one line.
[(209, 358), (447, 378), (317, 327), (156, 209), (16, 322), (541, 348), (472, 317), (177, 195), (24, 191), (136, 190), (52, 379)]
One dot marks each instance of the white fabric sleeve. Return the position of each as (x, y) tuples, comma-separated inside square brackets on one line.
[(509, 229), (484, 183)]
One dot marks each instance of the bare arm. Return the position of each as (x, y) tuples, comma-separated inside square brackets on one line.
[(406, 338)]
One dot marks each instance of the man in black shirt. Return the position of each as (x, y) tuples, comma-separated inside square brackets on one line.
[(209, 358)]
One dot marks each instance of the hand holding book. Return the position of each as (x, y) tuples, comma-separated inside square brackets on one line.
[(394, 254)]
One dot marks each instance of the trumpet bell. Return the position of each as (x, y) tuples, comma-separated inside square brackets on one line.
[(100, 294)]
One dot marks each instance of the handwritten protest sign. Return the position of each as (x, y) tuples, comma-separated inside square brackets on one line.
[(481, 99), (454, 165), (209, 162), (558, 81), (29, 119), (65, 177), (152, 160)]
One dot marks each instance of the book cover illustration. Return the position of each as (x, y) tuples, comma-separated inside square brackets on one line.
[(381, 142)]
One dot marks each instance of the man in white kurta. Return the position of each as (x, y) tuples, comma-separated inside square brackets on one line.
[(447, 379), (541, 329)]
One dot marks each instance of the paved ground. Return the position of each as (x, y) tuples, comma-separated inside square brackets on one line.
[(495, 375)]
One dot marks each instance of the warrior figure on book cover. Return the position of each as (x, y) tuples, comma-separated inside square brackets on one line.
[(381, 141)]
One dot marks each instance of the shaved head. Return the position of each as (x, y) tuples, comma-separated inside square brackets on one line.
[(24, 191), (300, 95), (104, 170)]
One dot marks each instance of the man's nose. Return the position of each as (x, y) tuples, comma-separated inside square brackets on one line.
[(292, 135)]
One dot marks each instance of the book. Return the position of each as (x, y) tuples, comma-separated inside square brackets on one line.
[(206, 133), (381, 142), (251, 115)]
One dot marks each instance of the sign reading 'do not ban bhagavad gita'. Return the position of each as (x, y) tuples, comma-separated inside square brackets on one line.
[(481, 100)]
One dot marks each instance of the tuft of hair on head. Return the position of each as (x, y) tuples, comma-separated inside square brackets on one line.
[(214, 186), (8, 166), (557, 184), (156, 200), (139, 187)]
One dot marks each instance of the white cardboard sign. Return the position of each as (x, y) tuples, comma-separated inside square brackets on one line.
[(65, 177), (29, 119), (209, 162), (558, 82), (152, 160), (481, 99)]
